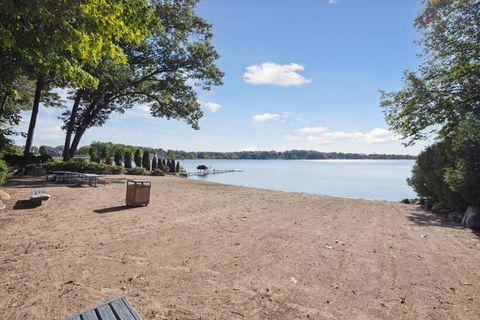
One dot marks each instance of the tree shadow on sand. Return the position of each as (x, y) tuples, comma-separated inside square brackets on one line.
[(113, 209), (426, 218)]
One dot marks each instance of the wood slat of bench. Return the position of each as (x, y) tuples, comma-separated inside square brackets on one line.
[(122, 309), (90, 315), (106, 313)]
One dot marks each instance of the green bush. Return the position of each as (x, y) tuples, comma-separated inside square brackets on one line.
[(3, 172), (118, 157), (139, 171), (157, 172), (154, 163), (463, 176), (128, 160), (146, 161), (428, 176), (137, 158), (83, 166)]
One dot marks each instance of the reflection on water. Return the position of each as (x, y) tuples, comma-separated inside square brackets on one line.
[(368, 179)]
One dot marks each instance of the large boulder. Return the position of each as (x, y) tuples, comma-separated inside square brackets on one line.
[(471, 219), (455, 216), (2, 205), (4, 196)]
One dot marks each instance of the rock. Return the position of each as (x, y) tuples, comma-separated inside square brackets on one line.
[(455, 216), (4, 196), (471, 219), (2, 205)]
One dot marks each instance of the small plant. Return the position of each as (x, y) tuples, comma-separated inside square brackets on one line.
[(3, 172), (177, 168), (139, 171), (157, 172)]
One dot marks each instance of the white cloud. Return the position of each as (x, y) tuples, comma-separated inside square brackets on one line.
[(212, 106), (265, 117), (277, 74), (312, 130), (333, 1), (321, 135)]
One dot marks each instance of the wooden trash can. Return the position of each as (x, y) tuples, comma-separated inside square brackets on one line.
[(138, 193)]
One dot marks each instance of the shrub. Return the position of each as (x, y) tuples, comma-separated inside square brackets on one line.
[(22, 161), (139, 171), (154, 163), (157, 172), (3, 172), (137, 158), (172, 166), (83, 166), (146, 161), (463, 176), (177, 168), (428, 176), (128, 160), (118, 158)]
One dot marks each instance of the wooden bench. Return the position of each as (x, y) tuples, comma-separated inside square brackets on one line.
[(118, 309), (37, 197)]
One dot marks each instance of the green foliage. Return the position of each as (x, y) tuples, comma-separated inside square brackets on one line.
[(157, 172), (154, 163), (463, 176), (83, 166), (157, 72), (428, 176), (445, 90), (177, 168), (118, 157), (137, 158), (3, 172), (139, 171), (128, 159), (146, 161)]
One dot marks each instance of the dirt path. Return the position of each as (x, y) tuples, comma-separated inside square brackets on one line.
[(209, 251)]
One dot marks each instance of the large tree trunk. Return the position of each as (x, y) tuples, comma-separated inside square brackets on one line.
[(76, 141), (33, 117), (71, 126)]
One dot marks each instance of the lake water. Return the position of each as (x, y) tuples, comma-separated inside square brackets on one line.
[(367, 179)]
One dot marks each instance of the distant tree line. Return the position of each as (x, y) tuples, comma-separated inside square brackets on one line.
[(285, 155)]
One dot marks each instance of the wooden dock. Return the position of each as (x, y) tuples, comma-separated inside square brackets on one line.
[(211, 171)]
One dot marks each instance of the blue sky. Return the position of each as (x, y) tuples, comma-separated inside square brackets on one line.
[(298, 75)]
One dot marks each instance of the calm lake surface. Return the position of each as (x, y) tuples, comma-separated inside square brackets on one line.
[(367, 179)]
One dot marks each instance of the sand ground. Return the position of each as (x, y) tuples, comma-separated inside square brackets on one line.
[(210, 251)]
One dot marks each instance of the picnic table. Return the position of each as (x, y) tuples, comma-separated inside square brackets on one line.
[(78, 178)]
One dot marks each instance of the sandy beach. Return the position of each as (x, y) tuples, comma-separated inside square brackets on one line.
[(208, 251)]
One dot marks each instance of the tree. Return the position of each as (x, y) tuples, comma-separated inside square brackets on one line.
[(118, 158), (128, 159), (157, 74), (177, 169), (154, 163), (137, 158), (172, 166), (443, 99), (444, 92), (146, 161), (52, 41)]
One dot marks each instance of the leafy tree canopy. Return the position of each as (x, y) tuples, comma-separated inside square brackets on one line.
[(445, 90)]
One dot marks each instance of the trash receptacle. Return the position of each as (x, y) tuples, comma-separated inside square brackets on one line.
[(138, 192)]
